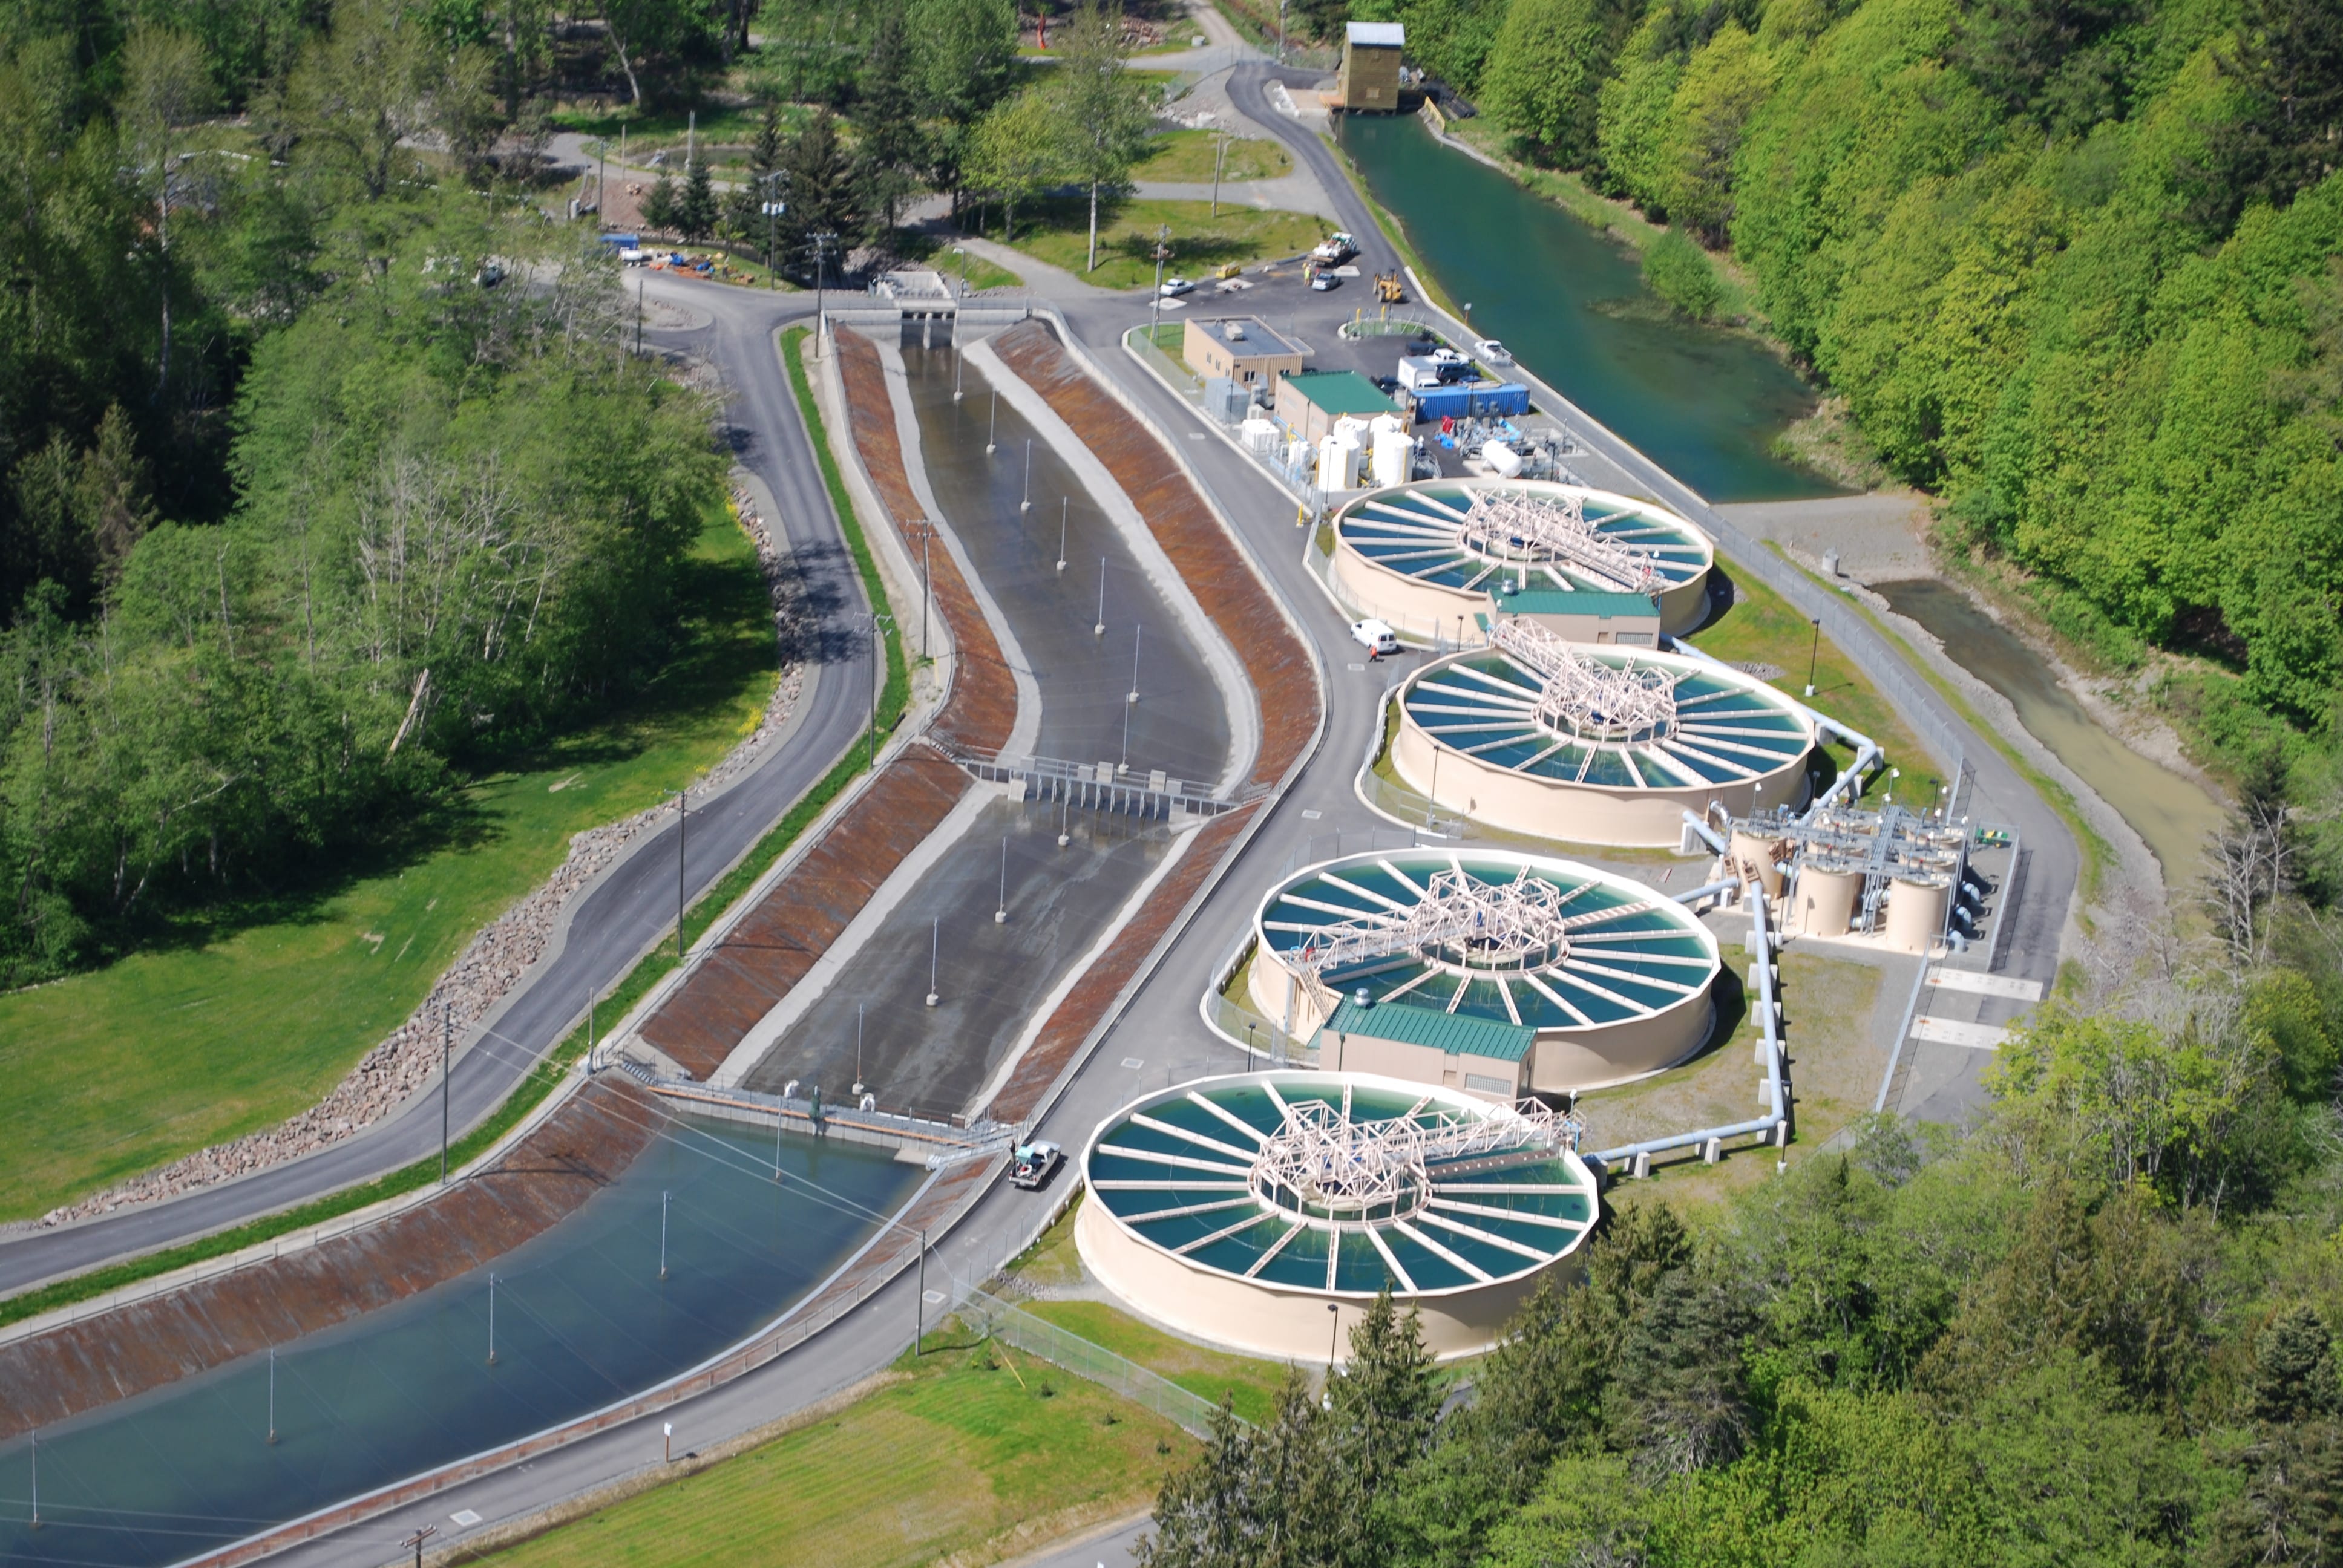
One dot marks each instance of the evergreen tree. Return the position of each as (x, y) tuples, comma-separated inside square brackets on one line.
[(696, 213), (893, 145), (824, 197), (1383, 1404), (661, 211)]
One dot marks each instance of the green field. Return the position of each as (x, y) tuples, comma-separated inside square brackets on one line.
[(1206, 1374), (118, 1072), (1188, 156), (1057, 232), (977, 1454)]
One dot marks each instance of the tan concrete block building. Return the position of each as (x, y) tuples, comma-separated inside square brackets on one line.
[(1368, 79)]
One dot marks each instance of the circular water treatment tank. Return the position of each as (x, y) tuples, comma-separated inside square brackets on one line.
[(1420, 555), (1595, 745), (1238, 1210), (1590, 977)]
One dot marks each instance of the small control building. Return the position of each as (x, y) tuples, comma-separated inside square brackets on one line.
[(1576, 615), (1368, 79), (1308, 403), (1240, 349)]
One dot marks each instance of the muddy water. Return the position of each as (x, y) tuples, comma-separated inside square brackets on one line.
[(582, 1317), (2172, 813)]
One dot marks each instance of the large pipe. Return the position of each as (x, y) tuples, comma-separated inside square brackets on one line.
[(1708, 835), (1776, 1121), (1726, 886)]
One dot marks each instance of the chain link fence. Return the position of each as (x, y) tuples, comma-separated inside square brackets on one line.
[(1043, 1339)]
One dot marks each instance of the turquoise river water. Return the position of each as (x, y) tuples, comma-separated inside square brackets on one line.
[(582, 1317), (1704, 403)]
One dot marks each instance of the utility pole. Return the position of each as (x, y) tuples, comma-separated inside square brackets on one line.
[(447, 1050), (682, 825), (602, 186), (926, 583), (821, 242), (919, 1304), (1280, 32), (638, 316), (417, 1541), (878, 675), (1219, 158), (1163, 255), (272, 1396)]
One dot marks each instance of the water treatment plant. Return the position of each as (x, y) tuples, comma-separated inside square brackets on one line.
[(1264, 1212), (1139, 721)]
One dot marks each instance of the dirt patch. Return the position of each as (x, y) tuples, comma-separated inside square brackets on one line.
[(578, 1150)]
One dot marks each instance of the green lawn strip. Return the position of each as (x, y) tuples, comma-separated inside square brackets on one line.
[(525, 1096), (226, 1030), (648, 130), (954, 263), (1187, 155), (2097, 853), (637, 984), (1057, 231), (1208, 1375), (976, 1453)]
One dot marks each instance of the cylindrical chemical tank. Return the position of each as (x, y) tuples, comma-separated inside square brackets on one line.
[(1502, 461), (1757, 853), (1915, 913), (1826, 900)]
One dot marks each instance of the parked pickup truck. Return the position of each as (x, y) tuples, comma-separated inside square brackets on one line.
[(1036, 1164)]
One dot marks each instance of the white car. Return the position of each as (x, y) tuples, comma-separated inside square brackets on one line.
[(1325, 281), (1173, 287), (1376, 636), (1489, 351), (634, 256)]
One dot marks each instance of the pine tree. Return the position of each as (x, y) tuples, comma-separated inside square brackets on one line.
[(1383, 1407), (1201, 1513), (696, 213), (659, 206)]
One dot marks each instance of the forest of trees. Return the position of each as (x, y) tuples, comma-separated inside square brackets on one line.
[(2071, 264), (302, 510)]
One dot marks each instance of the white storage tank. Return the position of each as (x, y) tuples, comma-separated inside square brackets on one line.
[(1502, 461), (1338, 463), (1395, 455)]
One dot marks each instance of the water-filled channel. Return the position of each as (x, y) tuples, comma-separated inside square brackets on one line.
[(582, 1318), (2172, 813), (1702, 403)]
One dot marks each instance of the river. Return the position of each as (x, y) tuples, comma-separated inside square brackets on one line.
[(1704, 403)]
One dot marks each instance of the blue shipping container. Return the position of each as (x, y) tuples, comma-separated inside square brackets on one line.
[(1469, 399)]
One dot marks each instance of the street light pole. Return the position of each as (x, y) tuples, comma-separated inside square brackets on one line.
[(447, 1048), (682, 825), (821, 317), (1163, 255), (1814, 652)]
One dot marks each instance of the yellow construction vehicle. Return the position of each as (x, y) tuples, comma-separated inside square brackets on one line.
[(1387, 288)]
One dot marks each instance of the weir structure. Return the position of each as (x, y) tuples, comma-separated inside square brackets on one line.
[(1266, 1211), (1426, 556), (1595, 745)]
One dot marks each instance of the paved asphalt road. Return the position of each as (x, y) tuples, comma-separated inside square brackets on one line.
[(624, 914), (1160, 1030)]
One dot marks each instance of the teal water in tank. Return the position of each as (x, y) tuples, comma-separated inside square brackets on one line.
[(1704, 403), (582, 1318)]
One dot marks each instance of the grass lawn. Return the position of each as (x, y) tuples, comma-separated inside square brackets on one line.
[(948, 261), (1188, 156), (1836, 1060), (1206, 1374), (958, 1459), (1057, 232), (1761, 629), (117, 1072), (650, 128)]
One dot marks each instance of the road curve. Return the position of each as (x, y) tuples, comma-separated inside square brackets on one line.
[(623, 914)]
